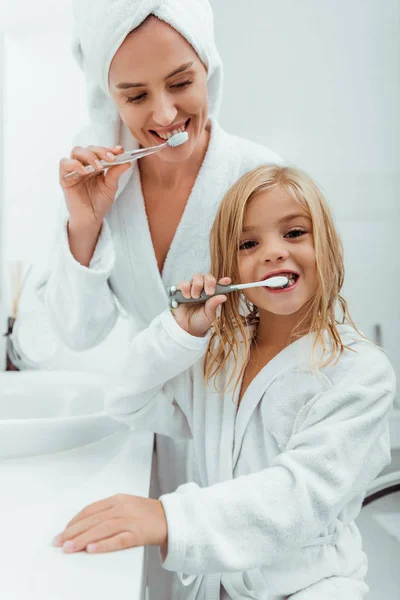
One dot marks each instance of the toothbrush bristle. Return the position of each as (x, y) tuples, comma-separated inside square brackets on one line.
[(178, 138)]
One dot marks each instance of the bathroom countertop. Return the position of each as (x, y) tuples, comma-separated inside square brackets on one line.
[(39, 495)]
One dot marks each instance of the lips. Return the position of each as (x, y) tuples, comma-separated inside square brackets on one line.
[(291, 275)]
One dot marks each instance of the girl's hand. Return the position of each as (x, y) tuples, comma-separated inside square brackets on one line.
[(122, 521), (89, 197), (197, 319)]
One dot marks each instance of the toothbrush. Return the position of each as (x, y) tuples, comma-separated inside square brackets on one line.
[(175, 140), (175, 297)]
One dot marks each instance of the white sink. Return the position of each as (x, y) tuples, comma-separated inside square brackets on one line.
[(43, 412)]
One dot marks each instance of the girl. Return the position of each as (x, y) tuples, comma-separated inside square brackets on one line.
[(287, 407)]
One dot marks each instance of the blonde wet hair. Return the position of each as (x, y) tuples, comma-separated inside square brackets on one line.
[(231, 328)]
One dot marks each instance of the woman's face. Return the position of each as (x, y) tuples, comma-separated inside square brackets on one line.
[(277, 239), (159, 85)]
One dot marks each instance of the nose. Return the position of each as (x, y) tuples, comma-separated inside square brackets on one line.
[(274, 251), (164, 111)]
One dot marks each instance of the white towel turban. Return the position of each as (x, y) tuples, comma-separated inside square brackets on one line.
[(100, 28)]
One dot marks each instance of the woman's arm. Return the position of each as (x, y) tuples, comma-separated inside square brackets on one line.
[(79, 302)]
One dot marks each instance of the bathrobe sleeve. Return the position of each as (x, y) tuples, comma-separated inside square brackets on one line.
[(79, 302), (339, 446), (155, 373)]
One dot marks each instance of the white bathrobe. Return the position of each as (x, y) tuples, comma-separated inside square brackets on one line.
[(278, 483)]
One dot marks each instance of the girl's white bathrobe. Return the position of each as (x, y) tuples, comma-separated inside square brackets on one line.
[(278, 482)]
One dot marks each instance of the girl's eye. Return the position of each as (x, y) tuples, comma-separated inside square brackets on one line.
[(247, 245), (295, 233)]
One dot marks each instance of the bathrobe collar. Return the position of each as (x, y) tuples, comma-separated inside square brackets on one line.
[(201, 206)]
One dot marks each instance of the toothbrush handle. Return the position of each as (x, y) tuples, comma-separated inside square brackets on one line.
[(121, 159), (177, 297)]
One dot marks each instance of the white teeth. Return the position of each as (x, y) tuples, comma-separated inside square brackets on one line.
[(290, 276), (166, 136)]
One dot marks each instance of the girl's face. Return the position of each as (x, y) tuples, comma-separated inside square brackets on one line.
[(277, 239), (159, 86)]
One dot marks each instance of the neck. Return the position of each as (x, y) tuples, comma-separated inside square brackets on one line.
[(169, 175), (275, 331)]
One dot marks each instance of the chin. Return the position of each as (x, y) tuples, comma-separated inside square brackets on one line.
[(283, 311), (178, 154)]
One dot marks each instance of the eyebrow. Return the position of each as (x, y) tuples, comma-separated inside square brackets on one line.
[(283, 220), (126, 86)]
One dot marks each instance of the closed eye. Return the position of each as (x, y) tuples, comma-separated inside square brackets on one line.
[(140, 97), (135, 99), (183, 84), (295, 233), (247, 245)]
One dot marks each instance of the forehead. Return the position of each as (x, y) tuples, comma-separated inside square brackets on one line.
[(154, 48), (273, 205)]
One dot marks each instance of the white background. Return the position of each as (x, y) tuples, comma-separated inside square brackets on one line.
[(317, 81)]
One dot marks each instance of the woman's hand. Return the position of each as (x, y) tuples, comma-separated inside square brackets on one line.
[(122, 521), (197, 319), (89, 197)]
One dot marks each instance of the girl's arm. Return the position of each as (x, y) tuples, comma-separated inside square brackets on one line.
[(156, 372), (146, 392), (340, 446)]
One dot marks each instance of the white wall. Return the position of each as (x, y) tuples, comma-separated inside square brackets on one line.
[(45, 107)]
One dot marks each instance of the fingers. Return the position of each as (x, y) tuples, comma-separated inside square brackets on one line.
[(199, 283), (184, 287), (93, 509), (92, 155), (211, 306), (193, 288), (107, 154), (225, 281), (121, 541), (94, 534), (114, 173), (68, 165), (87, 156)]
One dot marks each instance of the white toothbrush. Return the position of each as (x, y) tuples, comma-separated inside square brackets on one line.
[(175, 140), (176, 297)]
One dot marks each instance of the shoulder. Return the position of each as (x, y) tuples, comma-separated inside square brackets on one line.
[(361, 361), (362, 369)]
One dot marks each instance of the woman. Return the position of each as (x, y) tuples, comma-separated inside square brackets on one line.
[(151, 68)]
